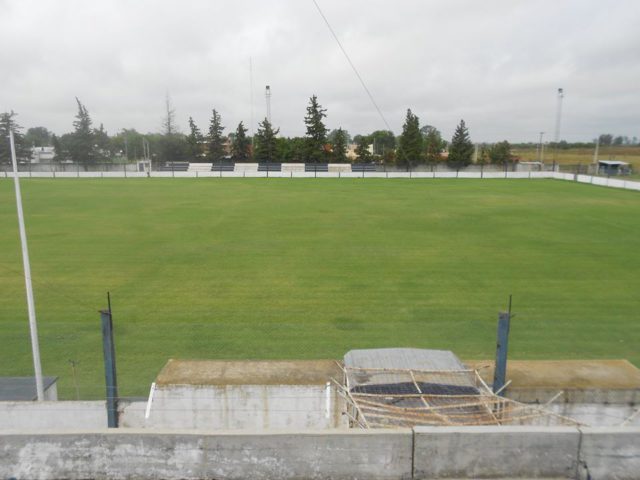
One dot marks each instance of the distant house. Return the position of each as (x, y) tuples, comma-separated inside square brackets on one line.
[(42, 154), (613, 167)]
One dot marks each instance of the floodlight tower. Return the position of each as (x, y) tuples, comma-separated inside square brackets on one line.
[(556, 137), (541, 148), (267, 94)]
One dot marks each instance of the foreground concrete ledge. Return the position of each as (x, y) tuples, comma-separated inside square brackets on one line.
[(611, 453), (202, 432), (496, 452), (193, 454)]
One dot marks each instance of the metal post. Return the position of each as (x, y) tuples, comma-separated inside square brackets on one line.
[(108, 348), (500, 372), (33, 327)]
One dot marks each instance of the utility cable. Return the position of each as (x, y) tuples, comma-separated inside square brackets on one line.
[(352, 65)]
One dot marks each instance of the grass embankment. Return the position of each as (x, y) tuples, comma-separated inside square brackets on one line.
[(256, 268)]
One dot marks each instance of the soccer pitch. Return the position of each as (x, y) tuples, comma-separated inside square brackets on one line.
[(304, 268)]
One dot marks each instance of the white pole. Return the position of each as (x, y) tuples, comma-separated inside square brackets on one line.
[(27, 275)]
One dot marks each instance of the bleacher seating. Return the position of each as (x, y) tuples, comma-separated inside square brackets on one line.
[(316, 167), (363, 167), (223, 166), (269, 167), (175, 167)]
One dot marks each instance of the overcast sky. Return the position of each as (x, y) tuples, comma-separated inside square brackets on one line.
[(495, 63)]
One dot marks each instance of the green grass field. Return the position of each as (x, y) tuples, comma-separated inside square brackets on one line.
[(256, 268)]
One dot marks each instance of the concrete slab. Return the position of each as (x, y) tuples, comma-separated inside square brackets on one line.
[(248, 372), (495, 452), (583, 374)]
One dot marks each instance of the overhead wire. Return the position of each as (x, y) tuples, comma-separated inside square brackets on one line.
[(355, 70)]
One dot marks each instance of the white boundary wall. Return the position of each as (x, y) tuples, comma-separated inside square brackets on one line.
[(421, 453), (250, 171)]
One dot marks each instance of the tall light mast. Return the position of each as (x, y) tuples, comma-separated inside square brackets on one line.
[(267, 95), (556, 137)]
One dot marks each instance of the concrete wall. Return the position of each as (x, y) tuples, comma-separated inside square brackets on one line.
[(598, 414), (241, 407), (53, 415), (251, 170), (613, 454), (495, 452), (113, 454), (425, 452)]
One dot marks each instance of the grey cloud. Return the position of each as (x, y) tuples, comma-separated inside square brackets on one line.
[(496, 63)]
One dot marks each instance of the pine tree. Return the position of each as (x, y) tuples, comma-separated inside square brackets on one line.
[(216, 140), (362, 150), (81, 147), (194, 141), (340, 146), (461, 148), (410, 150), (265, 142), (59, 154), (240, 145), (316, 138), (7, 123)]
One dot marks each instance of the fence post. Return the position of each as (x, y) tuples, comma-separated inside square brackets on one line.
[(108, 349), (500, 371)]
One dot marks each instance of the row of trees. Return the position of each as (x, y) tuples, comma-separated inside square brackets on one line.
[(417, 144)]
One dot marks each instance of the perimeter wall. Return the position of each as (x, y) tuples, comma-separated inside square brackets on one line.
[(421, 453)]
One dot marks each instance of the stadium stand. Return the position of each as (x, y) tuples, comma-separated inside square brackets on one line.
[(175, 167)]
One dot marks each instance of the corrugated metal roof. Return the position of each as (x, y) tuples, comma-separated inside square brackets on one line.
[(403, 358), (380, 366)]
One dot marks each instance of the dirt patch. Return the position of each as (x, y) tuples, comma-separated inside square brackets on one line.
[(249, 372), (575, 374)]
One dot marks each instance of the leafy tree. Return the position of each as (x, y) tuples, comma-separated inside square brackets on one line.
[(102, 143), (316, 138), (265, 142), (483, 155), (291, 149), (383, 141), (434, 144), (216, 151), (59, 153), (82, 145), (38, 137), (194, 141), (461, 148), (241, 145), (7, 123), (340, 146), (410, 149), (128, 143), (362, 150), (500, 153)]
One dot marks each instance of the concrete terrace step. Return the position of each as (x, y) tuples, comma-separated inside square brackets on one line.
[(199, 167)]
